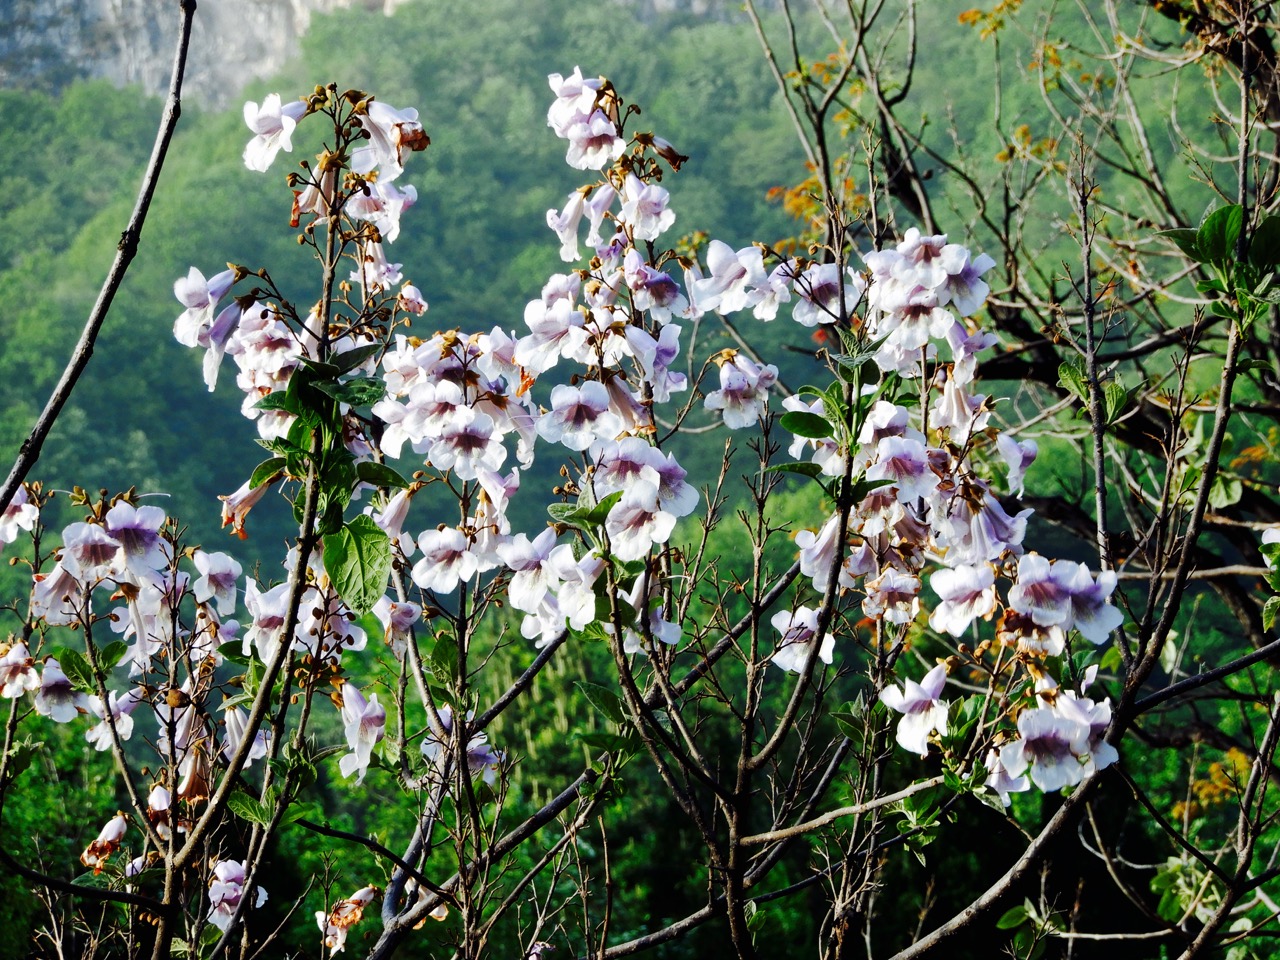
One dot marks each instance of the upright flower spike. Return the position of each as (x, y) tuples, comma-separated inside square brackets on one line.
[(922, 707)]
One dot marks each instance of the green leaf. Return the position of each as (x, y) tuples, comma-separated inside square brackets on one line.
[(597, 514), (1269, 613), (585, 513), (247, 808), (1225, 491), (444, 657), (1071, 376), (1217, 236), (112, 654), (563, 512), (1115, 398), (265, 471), (358, 561), (1264, 245), (804, 424), (77, 669), (234, 652), (609, 742), (603, 699), (380, 475), (345, 362), (1013, 917), (802, 467), (358, 393), (863, 487), (1185, 239), (1253, 363), (21, 754), (279, 400)]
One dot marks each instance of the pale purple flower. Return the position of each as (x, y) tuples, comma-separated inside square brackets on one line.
[(397, 621), (734, 281), (273, 124), (1051, 746), (818, 552), (121, 709), (998, 778), (91, 554), (218, 576), (467, 444), (579, 416), (644, 208), (799, 629), (818, 295), (226, 890), (237, 723), (1017, 457), (967, 593), (922, 707), (894, 595), (482, 759), (637, 522), (58, 699), (743, 396), (364, 723), (565, 225), (58, 596), (17, 672), (906, 463), (964, 287), (533, 574), (391, 132), (20, 514), (593, 142), (446, 560), (575, 99), (268, 611), (1043, 591)]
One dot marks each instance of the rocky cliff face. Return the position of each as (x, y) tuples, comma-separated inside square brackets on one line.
[(45, 44)]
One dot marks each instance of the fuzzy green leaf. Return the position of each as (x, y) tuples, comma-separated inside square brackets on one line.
[(358, 561)]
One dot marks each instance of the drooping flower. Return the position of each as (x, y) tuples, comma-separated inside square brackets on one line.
[(226, 890), (58, 699), (99, 852), (922, 707), (218, 576), (121, 711), (345, 914), (482, 759), (799, 629), (17, 672), (967, 593), (392, 132), (365, 724), (273, 124), (637, 522), (743, 396), (237, 721), (20, 514), (1051, 745)]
